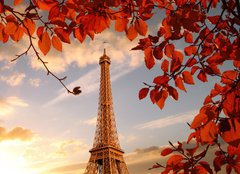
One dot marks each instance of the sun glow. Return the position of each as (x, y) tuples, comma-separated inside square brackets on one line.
[(12, 162)]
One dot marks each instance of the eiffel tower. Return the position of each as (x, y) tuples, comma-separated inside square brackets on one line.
[(106, 154)]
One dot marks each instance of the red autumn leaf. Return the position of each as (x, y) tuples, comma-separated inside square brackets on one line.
[(229, 76), (158, 53), (62, 34), (160, 80), (166, 151), (188, 37), (18, 34), (190, 62), (121, 24), (190, 50), (165, 65), (91, 34), (187, 77), (10, 28), (40, 31), (213, 19), (161, 32), (17, 2), (208, 132), (152, 95), (131, 33), (143, 93), (207, 100), (57, 44), (141, 27), (174, 160), (44, 43), (46, 5), (30, 26), (179, 84), (54, 12), (149, 60), (198, 120), (160, 98), (202, 76), (169, 49), (155, 166), (194, 69), (206, 166), (173, 92), (80, 34), (177, 55), (232, 136)]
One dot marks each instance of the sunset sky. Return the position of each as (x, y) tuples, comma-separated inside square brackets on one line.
[(44, 130)]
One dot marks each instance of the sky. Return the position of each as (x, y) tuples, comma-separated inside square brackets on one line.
[(45, 130)]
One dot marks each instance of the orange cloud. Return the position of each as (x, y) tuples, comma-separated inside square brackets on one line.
[(17, 133)]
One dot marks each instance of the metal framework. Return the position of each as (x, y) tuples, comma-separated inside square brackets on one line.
[(106, 154)]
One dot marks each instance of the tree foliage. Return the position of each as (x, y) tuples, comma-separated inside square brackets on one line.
[(209, 30)]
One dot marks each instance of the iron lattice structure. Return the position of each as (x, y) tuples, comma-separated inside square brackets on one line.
[(106, 154)]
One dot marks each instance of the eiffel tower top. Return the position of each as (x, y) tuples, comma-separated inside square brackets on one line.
[(104, 58)]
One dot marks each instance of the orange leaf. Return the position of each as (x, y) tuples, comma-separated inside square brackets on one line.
[(57, 44), (165, 65), (46, 5), (166, 151), (80, 34), (10, 28), (158, 53), (190, 50), (31, 26), (44, 43), (40, 31), (141, 27), (152, 95), (18, 34), (173, 92), (202, 76), (1, 31), (160, 98), (131, 33), (229, 76), (174, 160), (198, 120), (213, 19), (208, 132), (179, 83), (187, 77), (149, 60), (121, 24), (17, 2), (62, 34), (232, 134), (143, 93), (160, 80), (169, 49), (188, 37)]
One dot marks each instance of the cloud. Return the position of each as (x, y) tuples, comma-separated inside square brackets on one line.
[(17, 133), (91, 121), (69, 147), (89, 52), (90, 82), (14, 79), (35, 82), (8, 104), (168, 121), (79, 167), (128, 138)]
